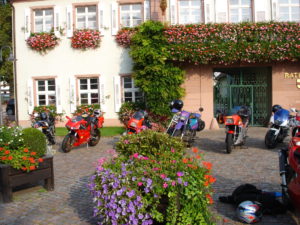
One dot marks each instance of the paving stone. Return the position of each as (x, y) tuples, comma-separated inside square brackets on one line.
[(71, 204)]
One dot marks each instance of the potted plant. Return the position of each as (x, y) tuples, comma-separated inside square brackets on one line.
[(85, 39), (152, 181), (23, 159), (42, 42)]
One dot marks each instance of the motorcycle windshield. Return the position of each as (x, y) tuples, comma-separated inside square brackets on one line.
[(138, 115), (282, 115), (77, 119), (233, 111)]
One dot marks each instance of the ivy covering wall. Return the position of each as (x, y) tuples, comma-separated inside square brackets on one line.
[(157, 77)]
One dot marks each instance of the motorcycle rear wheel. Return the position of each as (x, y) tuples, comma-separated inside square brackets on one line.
[(229, 143), (67, 143), (270, 139), (95, 139), (177, 133)]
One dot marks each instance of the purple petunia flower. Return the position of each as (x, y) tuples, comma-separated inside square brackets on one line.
[(131, 193)]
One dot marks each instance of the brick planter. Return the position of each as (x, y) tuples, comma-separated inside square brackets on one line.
[(10, 177)]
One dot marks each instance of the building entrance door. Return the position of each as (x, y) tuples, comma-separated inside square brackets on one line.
[(244, 86)]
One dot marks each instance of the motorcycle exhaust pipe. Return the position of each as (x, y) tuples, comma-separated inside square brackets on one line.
[(282, 168)]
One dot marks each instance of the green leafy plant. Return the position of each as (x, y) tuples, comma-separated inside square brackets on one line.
[(157, 183), (153, 73), (35, 140)]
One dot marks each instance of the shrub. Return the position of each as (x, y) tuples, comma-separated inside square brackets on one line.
[(86, 109), (157, 183), (35, 140)]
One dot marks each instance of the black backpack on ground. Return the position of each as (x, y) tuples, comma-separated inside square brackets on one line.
[(270, 204)]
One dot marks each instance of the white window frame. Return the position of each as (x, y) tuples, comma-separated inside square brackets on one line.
[(240, 8), (89, 91), (290, 5), (43, 17), (86, 15), (131, 11), (46, 92), (131, 90), (189, 8)]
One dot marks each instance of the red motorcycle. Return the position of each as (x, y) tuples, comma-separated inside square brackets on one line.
[(138, 122), (83, 129), (289, 165)]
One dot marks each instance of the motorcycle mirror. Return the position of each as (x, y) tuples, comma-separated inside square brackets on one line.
[(35, 114), (201, 109), (68, 117), (293, 109)]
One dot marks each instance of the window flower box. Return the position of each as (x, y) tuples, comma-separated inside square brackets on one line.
[(86, 39), (42, 42), (10, 177)]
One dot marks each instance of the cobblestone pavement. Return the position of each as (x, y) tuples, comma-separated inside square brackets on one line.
[(70, 203)]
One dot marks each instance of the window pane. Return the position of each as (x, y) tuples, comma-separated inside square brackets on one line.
[(80, 9), (51, 99), (48, 12), (196, 3), (295, 1), (38, 13), (128, 96), (83, 84), (234, 2), (94, 83), (38, 25), (94, 98), (234, 18), (284, 10), (183, 3), (41, 85), (51, 85), (137, 7), (246, 2), (42, 99), (124, 7), (92, 9), (84, 98)]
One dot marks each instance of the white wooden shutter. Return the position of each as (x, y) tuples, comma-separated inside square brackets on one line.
[(72, 94), (114, 18), (101, 17), (275, 10), (173, 12), (102, 94), (146, 10), (69, 21), (58, 95), (27, 23), (30, 96), (221, 11), (117, 92), (57, 20)]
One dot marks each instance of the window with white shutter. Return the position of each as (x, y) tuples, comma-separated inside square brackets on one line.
[(190, 11), (43, 20), (289, 10), (131, 15), (240, 11)]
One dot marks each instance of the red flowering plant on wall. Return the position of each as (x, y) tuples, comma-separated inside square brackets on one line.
[(85, 39), (124, 35), (42, 42), (230, 43)]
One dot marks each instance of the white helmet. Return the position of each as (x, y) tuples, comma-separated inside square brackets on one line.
[(97, 112), (249, 211)]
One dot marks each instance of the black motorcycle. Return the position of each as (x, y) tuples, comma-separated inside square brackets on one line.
[(45, 122)]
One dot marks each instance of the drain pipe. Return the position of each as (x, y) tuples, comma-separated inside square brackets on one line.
[(14, 62)]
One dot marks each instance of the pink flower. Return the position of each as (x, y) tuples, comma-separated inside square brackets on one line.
[(165, 185), (136, 155), (172, 150), (180, 174), (173, 183), (140, 183), (163, 176)]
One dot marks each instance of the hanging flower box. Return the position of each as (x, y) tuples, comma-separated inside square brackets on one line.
[(10, 177), (42, 42), (85, 39)]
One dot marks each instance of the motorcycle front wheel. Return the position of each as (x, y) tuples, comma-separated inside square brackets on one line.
[(95, 138), (67, 143), (229, 142), (270, 139), (177, 133)]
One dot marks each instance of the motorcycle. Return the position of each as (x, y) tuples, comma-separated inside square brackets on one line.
[(233, 128), (185, 125), (46, 124), (289, 165), (295, 122), (83, 129), (137, 123), (279, 128)]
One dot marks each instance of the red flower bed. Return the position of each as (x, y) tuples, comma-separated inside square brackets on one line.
[(84, 39), (123, 37), (42, 42)]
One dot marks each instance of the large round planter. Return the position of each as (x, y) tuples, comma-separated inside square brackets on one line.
[(10, 177)]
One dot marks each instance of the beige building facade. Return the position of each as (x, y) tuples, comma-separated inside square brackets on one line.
[(69, 77)]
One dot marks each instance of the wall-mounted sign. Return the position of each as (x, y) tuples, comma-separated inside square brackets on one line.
[(293, 76)]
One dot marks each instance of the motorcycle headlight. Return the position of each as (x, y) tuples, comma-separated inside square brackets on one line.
[(297, 143), (229, 120), (35, 115), (133, 124), (278, 122)]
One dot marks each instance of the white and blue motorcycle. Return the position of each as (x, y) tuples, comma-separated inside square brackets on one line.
[(279, 128)]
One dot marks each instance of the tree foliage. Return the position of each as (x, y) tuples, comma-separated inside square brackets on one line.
[(158, 78), (6, 67)]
